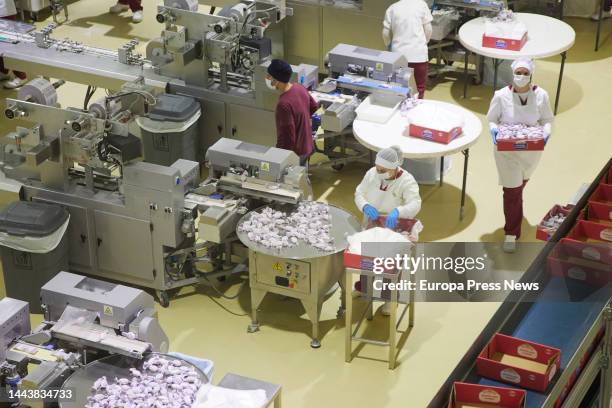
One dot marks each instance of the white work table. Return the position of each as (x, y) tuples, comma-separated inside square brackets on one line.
[(547, 37), (377, 136)]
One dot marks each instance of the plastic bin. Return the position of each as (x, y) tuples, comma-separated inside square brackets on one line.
[(34, 248), (378, 108), (170, 132)]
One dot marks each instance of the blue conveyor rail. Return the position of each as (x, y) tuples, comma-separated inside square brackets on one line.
[(568, 325)]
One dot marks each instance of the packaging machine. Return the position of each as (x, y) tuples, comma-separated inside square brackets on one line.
[(579, 323)]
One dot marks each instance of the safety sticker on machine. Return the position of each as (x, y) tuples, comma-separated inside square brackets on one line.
[(108, 311), (265, 166), (277, 266)]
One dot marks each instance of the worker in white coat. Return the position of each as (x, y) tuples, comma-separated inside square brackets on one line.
[(9, 11), (387, 189), (407, 29), (525, 103)]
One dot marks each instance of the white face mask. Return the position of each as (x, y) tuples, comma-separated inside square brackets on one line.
[(270, 85), (383, 176), (521, 80)]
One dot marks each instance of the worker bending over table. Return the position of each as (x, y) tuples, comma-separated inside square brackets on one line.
[(407, 30), (293, 112), (528, 104)]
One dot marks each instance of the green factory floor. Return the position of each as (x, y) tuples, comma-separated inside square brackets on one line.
[(200, 323)]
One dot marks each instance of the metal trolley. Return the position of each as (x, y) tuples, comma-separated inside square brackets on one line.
[(357, 264)]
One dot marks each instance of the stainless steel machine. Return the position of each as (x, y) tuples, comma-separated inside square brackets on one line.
[(301, 272)]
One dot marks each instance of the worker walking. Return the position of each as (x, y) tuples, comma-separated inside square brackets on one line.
[(388, 190), (522, 102), (9, 11), (607, 11), (407, 30), (293, 112), (124, 5)]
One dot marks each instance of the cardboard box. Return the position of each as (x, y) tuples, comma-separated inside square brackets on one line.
[(564, 262), (591, 241), (504, 43), (520, 362), (543, 233), (603, 196), (466, 395), (598, 213), (518, 145), (434, 135)]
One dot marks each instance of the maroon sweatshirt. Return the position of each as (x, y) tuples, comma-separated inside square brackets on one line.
[(293, 124)]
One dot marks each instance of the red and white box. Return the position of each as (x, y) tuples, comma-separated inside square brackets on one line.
[(564, 261), (603, 196), (519, 362), (591, 241), (466, 395), (435, 135), (433, 122), (517, 145), (504, 43), (543, 233), (598, 212)]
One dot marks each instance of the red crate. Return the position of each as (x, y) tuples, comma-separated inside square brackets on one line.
[(564, 261), (434, 135), (504, 43), (471, 394), (544, 234), (522, 370), (521, 145)]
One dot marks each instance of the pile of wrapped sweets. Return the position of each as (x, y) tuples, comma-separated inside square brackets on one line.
[(505, 25), (310, 223), (163, 383), (553, 223), (519, 131)]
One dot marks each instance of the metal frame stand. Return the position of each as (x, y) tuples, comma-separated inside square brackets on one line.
[(346, 141), (466, 158), (394, 323)]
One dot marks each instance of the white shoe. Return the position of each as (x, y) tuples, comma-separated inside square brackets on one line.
[(605, 14), (137, 17), (385, 310), (119, 8), (13, 83), (509, 244)]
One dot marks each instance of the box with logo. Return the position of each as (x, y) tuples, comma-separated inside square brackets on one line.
[(513, 145), (466, 395), (598, 213), (504, 43), (603, 196), (439, 136), (591, 241), (565, 261), (552, 221), (519, 362)]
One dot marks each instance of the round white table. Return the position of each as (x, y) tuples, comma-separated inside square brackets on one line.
[(377, 136), (547, 37)]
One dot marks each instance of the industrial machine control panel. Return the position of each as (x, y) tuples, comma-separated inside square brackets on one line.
[(289, 274)]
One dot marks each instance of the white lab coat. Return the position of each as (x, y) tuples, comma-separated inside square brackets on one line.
[(515, 167), (403, 28), (7, 8), (401, 193)]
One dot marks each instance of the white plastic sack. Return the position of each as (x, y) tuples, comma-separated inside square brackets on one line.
[(514, 30), (434, 116), (382, 236), (35, 245), (211, 396)]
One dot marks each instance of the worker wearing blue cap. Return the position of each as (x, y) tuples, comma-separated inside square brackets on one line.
[(293, 111)]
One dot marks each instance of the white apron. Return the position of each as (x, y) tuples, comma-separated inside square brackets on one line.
[(7, 8), (516, 166)]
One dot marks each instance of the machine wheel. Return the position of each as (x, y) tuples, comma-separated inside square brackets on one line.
[(338, 167), (163, 298), (315, 344)]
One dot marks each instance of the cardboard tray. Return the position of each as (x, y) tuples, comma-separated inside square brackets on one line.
[(603, 196), (434, 135), (564, 261), (519, 362), (521, 145), (476, 395), (543, 233), (504, 43)]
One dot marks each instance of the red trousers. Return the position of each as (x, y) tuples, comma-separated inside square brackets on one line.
[(513, 209), (421, 70), (135, 5), (18, 74)]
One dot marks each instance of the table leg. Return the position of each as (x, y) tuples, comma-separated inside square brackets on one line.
[(561, 10), (563, 58), (441, 171), (495, 67), (348, 316), (601, 11), (465, 73), (466, 157)]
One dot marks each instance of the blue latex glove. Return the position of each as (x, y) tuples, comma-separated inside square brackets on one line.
[(370, 212), (392, 219), (494, 135)]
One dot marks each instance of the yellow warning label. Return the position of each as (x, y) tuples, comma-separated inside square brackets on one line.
[(265, 166), (278, 267), (108, 311), (379, 66)]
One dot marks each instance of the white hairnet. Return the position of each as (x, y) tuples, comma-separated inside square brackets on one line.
[(390, 158), (527, 63)]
